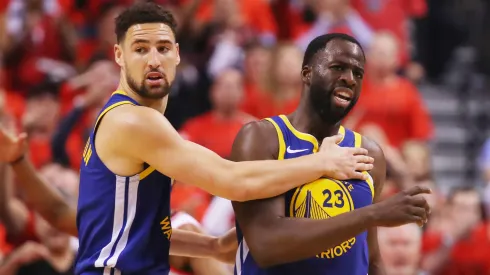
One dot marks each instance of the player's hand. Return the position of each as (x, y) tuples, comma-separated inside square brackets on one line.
[(12, 146), (226, 247), (408, 206), (345, 162)]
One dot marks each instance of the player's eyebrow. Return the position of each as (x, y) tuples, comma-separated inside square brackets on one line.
[(145, 41), (350, 64)]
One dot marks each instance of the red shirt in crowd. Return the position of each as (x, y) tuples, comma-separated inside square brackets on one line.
[(397, 108)]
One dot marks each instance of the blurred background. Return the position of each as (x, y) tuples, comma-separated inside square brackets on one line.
[(425, 100)]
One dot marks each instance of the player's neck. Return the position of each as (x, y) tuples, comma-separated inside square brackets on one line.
[(157, 104), (306, 120)]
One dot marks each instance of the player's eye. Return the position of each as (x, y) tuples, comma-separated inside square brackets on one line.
[(140, 50), (337, 68), (163, 49), (358, 75)]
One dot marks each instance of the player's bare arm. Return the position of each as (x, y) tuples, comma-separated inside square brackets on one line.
[(192, 244), (142, 135), (275, 239), (50, 204), (41, 196), (378, 173)]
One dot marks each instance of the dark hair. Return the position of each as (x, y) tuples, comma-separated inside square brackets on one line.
[(320, 42), (141, 13), (467, 189)]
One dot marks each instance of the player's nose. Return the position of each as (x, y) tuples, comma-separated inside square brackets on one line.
[(348, 78), (153, 58)]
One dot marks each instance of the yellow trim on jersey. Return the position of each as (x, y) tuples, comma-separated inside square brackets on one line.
[(358, 144), (282, 144), (110, 108), (293, 199), (119, 92), (299, 134), (357, 140), (342, 132), (147, 172), (370, 183)]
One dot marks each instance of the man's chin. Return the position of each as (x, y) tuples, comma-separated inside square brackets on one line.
[(155, 92)]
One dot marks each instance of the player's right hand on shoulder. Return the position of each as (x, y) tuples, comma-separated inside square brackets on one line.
[(344, 163), (408, 206)]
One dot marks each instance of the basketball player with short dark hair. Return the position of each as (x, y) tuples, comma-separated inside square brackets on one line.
[(327, 226), (133, 154)]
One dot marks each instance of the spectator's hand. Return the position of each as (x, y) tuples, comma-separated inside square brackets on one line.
[(12, 147), (28, 253)]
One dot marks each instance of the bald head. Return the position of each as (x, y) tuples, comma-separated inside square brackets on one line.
[(400, 248), (383, 53)]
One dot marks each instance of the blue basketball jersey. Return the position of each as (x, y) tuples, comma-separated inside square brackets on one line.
[(123, 222), (320, 199)]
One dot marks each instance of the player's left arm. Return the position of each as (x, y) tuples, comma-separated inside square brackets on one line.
[(191, 244), (378, 173)]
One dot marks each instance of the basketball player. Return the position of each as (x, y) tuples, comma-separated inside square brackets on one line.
[(327, 226), (132, 154)]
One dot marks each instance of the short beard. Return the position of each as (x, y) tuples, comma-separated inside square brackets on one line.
[(324, 106), (143, 91)]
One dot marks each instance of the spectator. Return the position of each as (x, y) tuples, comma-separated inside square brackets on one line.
[(390, 101), (400, 249), (215, 130), (54, 255), (283, 89), (392, 16), (460, 244), (336, 16)]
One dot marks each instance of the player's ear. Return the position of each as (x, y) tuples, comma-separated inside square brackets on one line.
[(306, 75), (118, 55), (177, 48)]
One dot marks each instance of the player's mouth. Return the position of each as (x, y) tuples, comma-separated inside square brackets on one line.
[(155, 79), (343, 96)]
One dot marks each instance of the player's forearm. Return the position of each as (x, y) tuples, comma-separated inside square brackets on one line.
[(191, 244), (45, 199), (270, 178), (294, 239)]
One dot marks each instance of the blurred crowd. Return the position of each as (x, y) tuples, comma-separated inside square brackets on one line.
[(241, 61)]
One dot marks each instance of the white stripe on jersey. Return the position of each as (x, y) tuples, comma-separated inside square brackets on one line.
[(241, 255), (120, 203)]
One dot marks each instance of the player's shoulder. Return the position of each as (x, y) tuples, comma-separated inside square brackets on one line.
[(257, 137), (131, 118), (374, 149)]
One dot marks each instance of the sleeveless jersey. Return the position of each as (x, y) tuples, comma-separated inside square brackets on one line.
[(123, 222), (317, 200)]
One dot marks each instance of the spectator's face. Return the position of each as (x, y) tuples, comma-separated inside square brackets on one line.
[(257, 61), (383, 54), (335, 78), (149, 56), (107, 26), (227, 91), (465, 208), (329, 5), (287, 64), (400, 249), (42, 113)]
